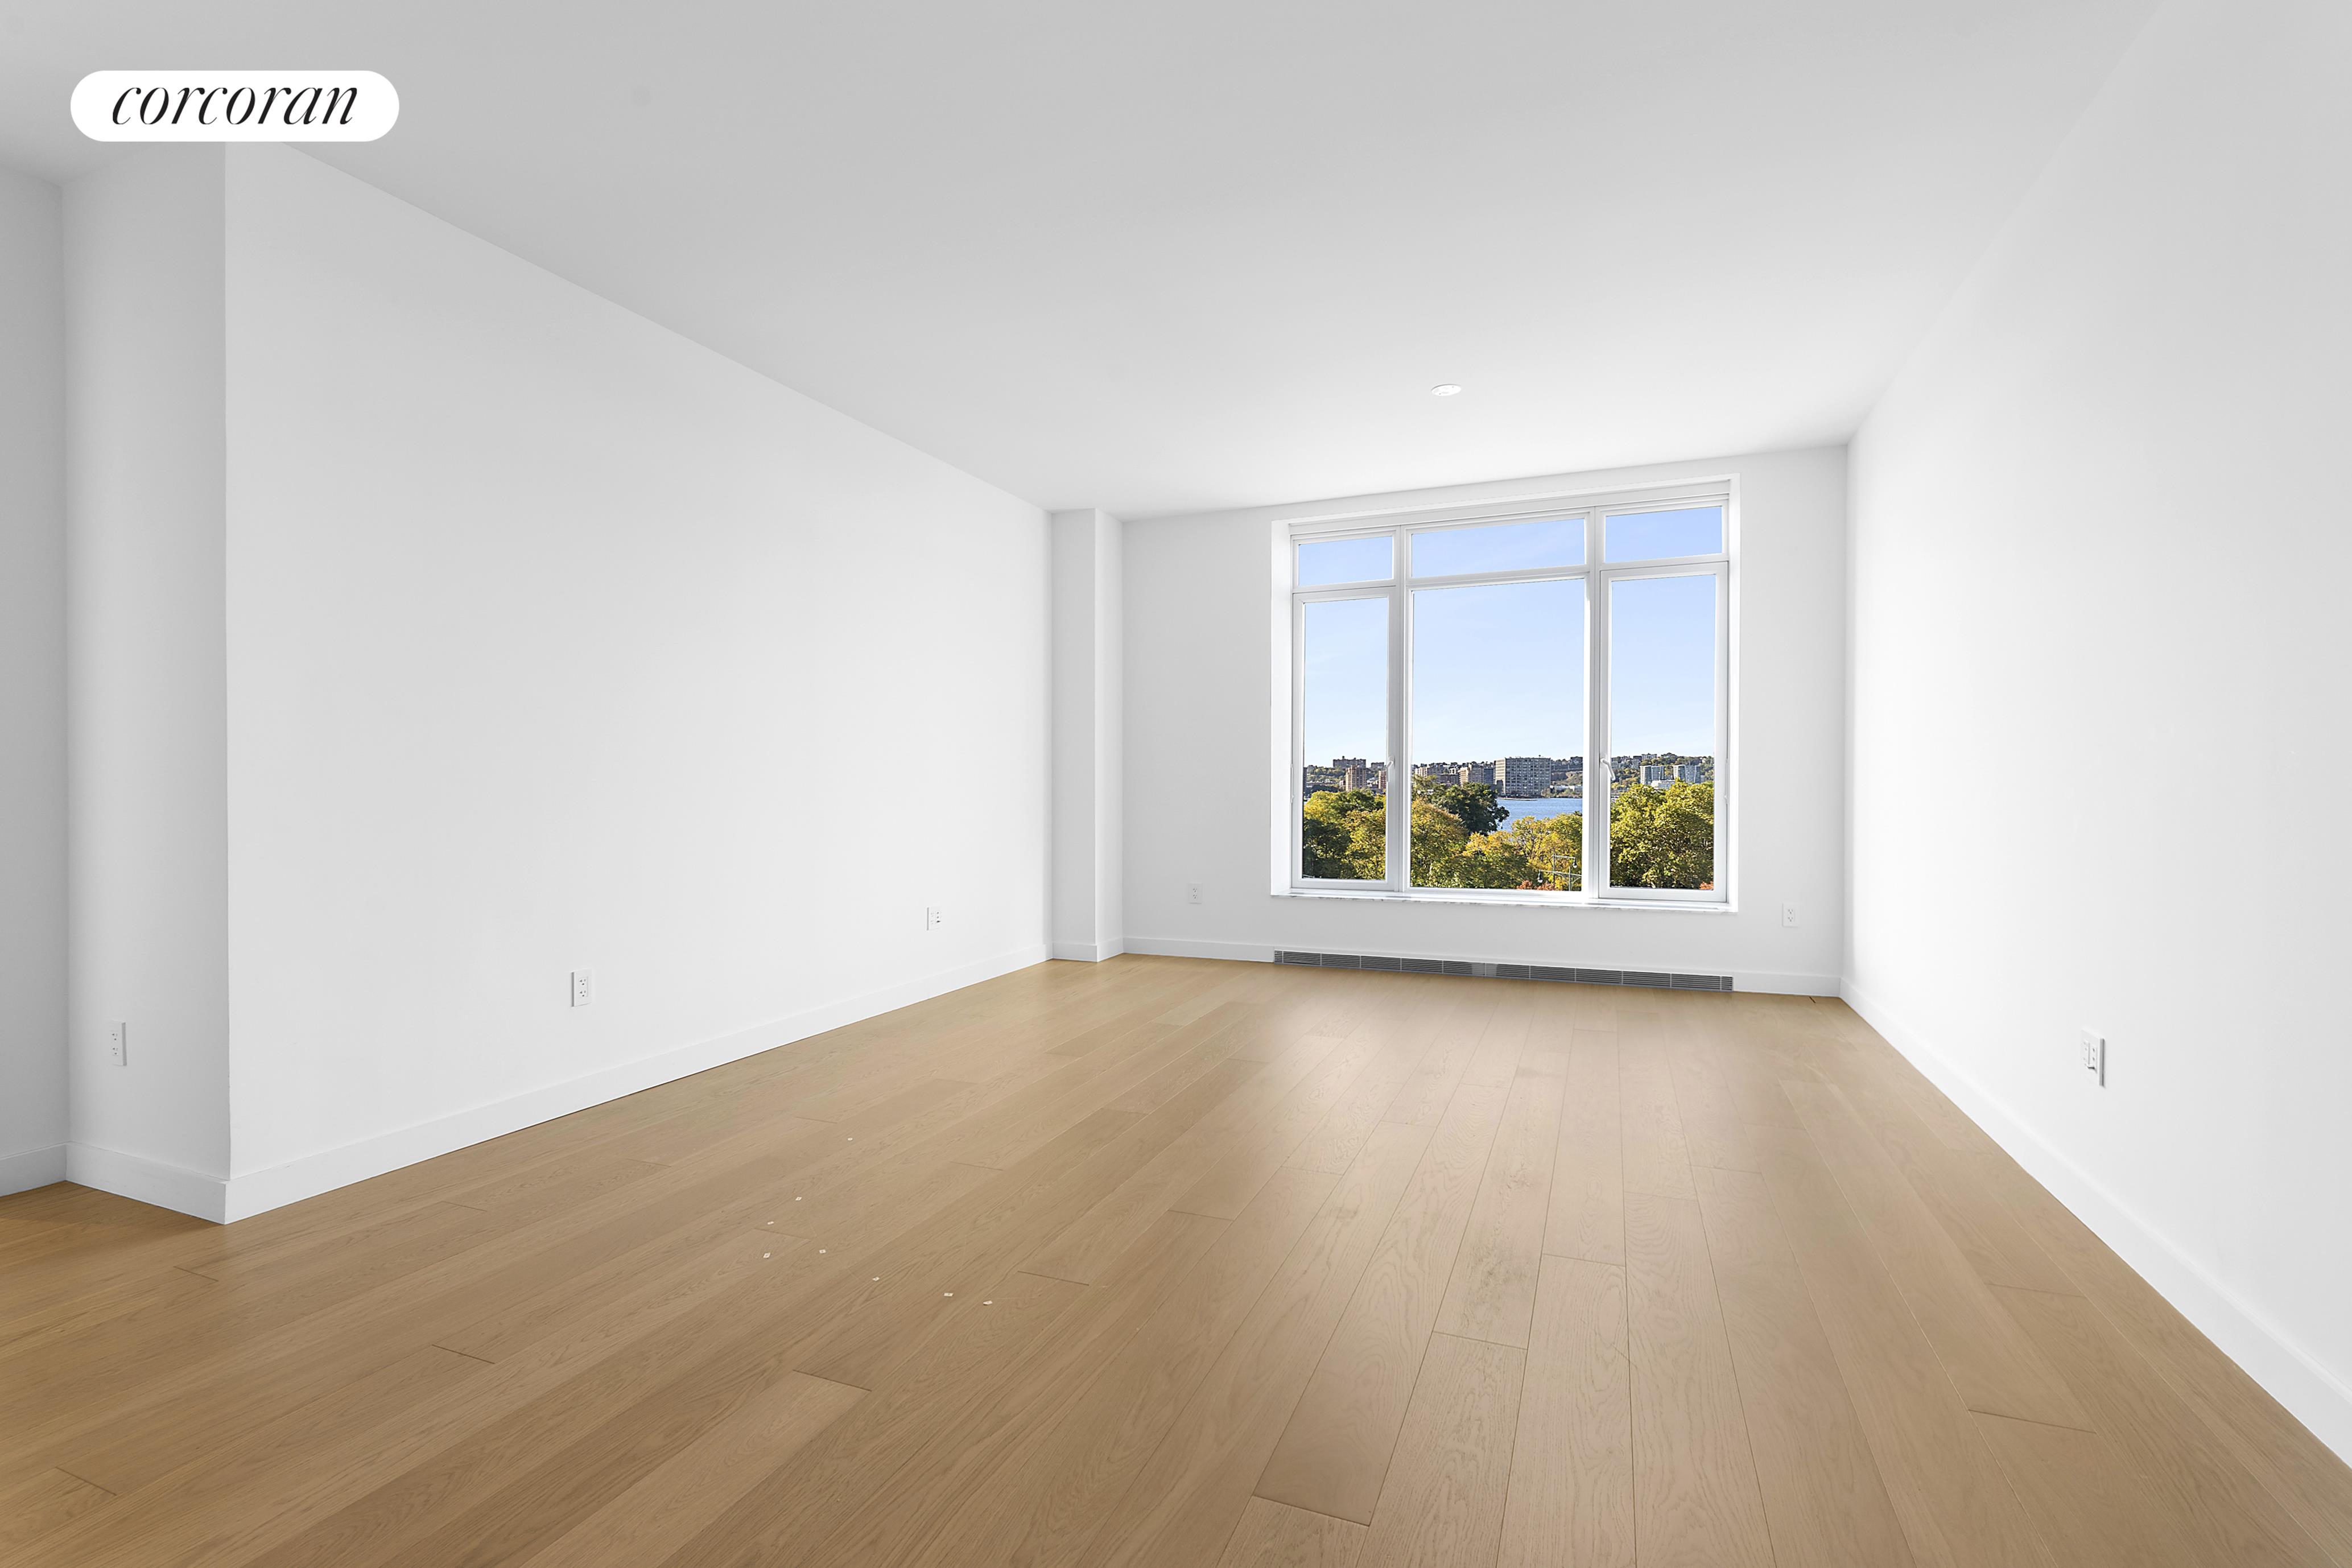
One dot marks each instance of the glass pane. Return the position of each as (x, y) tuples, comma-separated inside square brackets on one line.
[(1498, 736), (1498, 547), (1651, 535), (1661, 708), (1322, 561), (1344, 719)]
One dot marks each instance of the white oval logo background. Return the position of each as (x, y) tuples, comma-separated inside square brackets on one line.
[(234, 106)]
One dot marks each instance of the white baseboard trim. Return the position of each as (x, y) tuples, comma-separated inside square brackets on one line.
[(1252, 953), (148, 1180), (1180, 947), (21, 1173), (1088, 952), (257, 1192), (2292, 1375), (1774, 983)]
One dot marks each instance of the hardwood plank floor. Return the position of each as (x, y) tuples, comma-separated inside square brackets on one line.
[(1162, 1262), (1586, 1214), (1696, 1499), (1821, 1493), (1443, 1501), (1335, 1448), (1571, 1498), (1275, 1535)]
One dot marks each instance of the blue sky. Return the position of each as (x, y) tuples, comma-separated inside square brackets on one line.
[(1499, 670)]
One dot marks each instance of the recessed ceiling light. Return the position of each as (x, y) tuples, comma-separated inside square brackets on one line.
[(1444, 389)]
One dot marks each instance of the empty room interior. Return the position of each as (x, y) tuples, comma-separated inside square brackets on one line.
[(1040, 784)]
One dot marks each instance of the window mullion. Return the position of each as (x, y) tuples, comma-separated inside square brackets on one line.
[(1399, 783), (1294, 791), (1599, 776), (1723, 724)]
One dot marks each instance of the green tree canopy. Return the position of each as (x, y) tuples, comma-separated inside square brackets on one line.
[(1657, 839), (1346, 836), (1662, 838), (1473, 806), (1538, 852)]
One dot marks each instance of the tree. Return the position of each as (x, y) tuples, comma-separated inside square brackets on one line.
[(1657, 839), (1662, 838), (1538, 852), (1438, 836), (1473, 806), (1344, 836)]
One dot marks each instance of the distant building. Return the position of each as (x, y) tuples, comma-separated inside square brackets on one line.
[(1477, 772), (1344, 774), (1658, 775), (1525, 778)]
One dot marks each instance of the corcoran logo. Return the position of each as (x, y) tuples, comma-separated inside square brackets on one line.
[(234, 106)]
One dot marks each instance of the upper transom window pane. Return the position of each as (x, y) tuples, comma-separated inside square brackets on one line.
[(1498, 547), (1653, 535), (1326, 561)]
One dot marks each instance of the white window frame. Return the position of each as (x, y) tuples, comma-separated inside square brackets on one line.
[(1597, 576)]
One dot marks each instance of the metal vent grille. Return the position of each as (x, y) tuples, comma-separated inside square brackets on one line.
[(1656, 979)]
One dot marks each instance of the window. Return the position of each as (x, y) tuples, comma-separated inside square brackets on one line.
[(1516, 704)]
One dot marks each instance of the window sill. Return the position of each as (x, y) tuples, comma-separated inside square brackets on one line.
[(1386, 896)]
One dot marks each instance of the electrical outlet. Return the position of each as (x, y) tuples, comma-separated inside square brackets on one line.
[(1191, 893), (118, 1043), (584, 987), (933, 918), (1788, 914), (2095, 1057)]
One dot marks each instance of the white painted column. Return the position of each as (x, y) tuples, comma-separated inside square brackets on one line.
[(146, 695), (1089, 832), (32, 686)]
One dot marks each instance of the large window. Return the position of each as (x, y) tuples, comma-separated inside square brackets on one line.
[(1527, 703)]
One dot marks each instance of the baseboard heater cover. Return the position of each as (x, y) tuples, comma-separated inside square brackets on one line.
[(1649, 978)]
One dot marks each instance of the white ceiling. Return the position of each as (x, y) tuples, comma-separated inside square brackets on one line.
[(1159, 258)]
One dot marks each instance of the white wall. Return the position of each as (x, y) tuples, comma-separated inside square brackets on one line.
[(32, 686), (555, 640), (1201, 729), (148, 835), (1088, 794), (1110, 825), (2099, 740)]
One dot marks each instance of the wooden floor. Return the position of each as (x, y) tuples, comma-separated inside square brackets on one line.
[(1162, 1262)]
